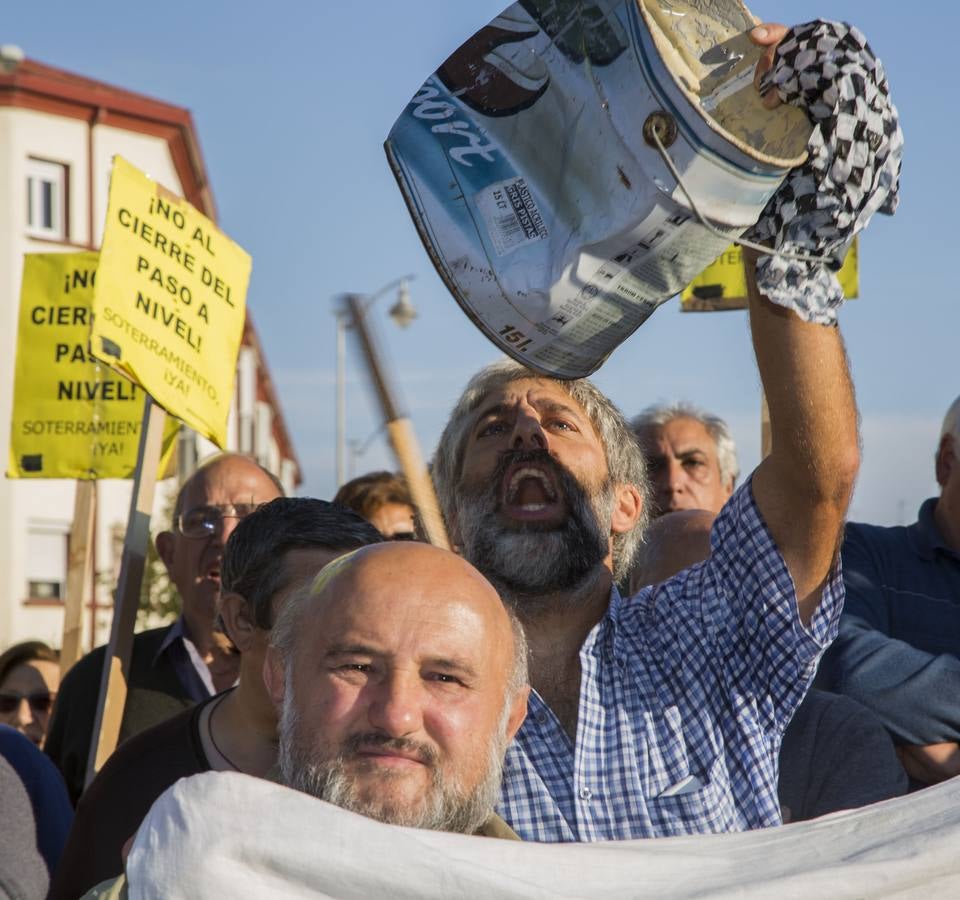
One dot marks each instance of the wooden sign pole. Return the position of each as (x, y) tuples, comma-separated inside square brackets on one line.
[(116, 668), (403, 439), (79, 571)]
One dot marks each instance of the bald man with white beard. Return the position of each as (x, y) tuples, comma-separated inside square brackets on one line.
[(399, 678)]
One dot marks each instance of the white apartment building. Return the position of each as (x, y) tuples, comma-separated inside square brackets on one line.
[(58, 134)]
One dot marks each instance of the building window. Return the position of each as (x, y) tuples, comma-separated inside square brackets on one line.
[(46, 562), (44, 590), (46, 199)]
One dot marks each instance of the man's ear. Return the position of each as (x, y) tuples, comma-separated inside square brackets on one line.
[(274, 676), (946, 459), (236, 620), (164, 542), (518, 711), (627, 509)]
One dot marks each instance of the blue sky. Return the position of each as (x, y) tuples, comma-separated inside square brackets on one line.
[(292, 102)]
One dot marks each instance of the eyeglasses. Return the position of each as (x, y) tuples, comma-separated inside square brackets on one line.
[(202, 521), (39, 703)]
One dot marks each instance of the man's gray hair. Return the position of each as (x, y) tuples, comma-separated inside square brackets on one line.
[(283, 637), (625, 463), (664, 413), (520, 673), (951, 425)]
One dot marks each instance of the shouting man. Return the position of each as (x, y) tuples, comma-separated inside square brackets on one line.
[(663, 715)]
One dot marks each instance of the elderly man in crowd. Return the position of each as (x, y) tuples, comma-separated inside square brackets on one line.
[(898, 651), (276, 549), (691, 457), (170, 668), (399, 678)]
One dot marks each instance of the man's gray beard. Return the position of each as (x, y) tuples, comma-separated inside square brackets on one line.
[(534, 569), (446, 806)]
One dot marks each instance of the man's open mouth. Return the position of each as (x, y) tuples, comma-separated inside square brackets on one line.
[(529, 491)]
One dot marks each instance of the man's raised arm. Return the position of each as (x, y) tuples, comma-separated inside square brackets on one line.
[(804, 486)]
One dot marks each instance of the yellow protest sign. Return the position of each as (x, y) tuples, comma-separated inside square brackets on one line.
[(170, 300), (722, 284), (73, 417)]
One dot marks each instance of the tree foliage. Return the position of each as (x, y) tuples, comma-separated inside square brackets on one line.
[(159, 601)]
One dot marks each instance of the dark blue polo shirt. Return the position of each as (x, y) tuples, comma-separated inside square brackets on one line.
[(898, 651)]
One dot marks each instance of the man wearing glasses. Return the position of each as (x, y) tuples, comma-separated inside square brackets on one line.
[(174, 667)]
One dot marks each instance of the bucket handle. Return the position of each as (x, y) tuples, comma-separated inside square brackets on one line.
[(659, 128)]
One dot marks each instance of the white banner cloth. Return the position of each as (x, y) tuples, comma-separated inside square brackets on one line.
[(229, 835)]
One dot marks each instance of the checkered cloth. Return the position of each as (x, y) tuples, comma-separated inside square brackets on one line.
[(852, 170), (685, 693)]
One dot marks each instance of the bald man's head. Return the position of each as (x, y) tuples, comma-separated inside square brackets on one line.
[(400, 677), (220, 493), (673, 542)]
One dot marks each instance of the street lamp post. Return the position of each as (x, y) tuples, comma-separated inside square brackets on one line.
[(341, 394), (403, 313)]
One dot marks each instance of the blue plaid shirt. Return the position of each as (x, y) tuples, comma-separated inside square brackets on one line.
[(684, 696)]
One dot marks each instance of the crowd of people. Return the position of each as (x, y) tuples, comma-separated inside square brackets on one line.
[(364, 670), (623, 645)]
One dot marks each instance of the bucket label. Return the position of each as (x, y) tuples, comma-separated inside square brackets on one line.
[(522, 159), (511, 215)]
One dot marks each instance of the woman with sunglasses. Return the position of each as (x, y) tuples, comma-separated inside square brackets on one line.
[(29, 679)]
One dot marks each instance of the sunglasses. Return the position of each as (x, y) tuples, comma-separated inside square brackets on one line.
[(39, 703), (202, 521)]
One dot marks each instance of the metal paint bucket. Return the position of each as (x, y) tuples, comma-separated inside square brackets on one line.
[(532, 164)]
